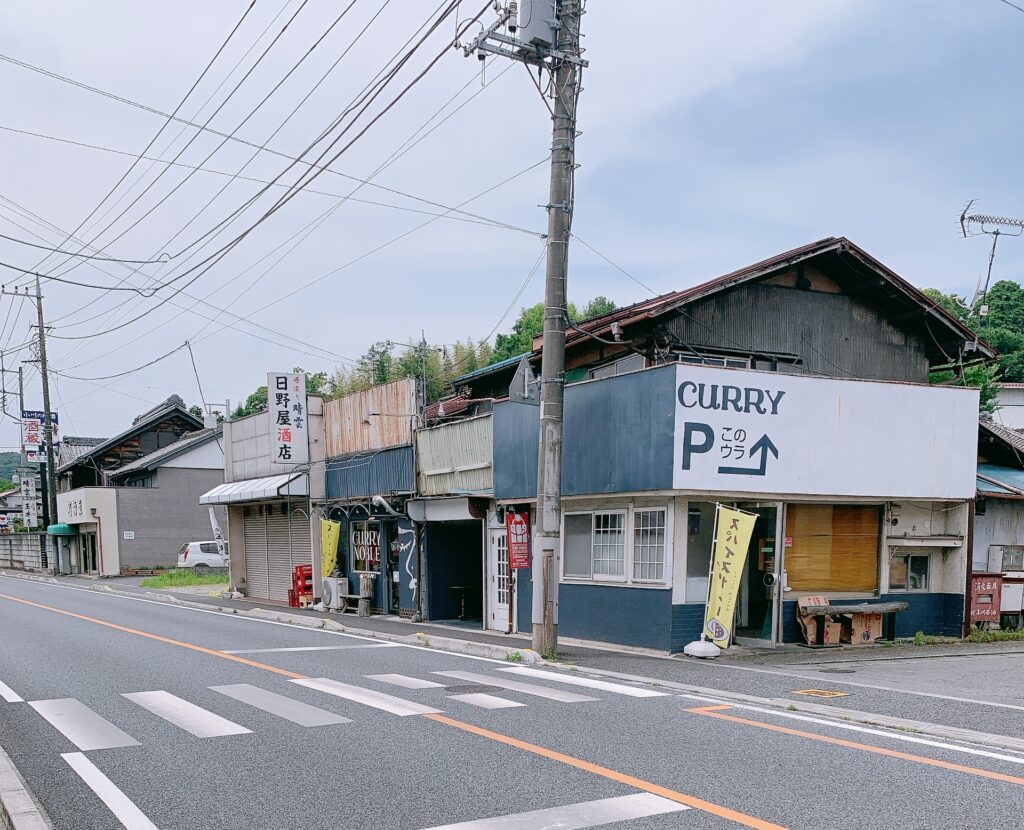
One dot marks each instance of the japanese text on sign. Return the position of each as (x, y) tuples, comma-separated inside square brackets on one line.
[(518, 529), (734, 528), (286, 402)]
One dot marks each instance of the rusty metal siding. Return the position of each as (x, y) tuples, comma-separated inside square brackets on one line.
[(368, 474), (833, 334), (456, 458), (344, 418)]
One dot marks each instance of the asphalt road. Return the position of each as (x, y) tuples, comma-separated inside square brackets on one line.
[(121, 712)]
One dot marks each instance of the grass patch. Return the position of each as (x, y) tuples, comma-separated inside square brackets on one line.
[(979, 635), (513, 657), (181, 577)]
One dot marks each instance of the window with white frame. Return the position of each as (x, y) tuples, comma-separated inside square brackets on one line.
[(616, 545)]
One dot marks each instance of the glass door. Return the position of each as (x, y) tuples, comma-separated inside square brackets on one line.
[(757, 615)]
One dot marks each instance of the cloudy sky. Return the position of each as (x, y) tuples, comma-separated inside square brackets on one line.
[(714, 134)]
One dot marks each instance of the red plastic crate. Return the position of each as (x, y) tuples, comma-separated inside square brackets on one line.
[(307, 570), (293, 598)]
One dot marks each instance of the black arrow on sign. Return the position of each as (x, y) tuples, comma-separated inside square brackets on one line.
[(764, 446)]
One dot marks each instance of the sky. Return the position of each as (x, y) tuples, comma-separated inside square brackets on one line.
[(712, 135)]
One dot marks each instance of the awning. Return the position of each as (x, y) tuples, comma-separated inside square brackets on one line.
[(258, 489), (61, 530)]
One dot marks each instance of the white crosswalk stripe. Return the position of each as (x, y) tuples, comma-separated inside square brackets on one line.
[(81, 725), (405, 681), (367, 697), (560, 695), (284, 707), (577, 816), (186, 715), (123, 808), (588, 682), (8, 694), (485, 701)]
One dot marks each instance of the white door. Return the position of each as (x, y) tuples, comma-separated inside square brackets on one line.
[(499, 585)]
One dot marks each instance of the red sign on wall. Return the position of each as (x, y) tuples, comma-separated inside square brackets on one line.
[(518, 527), (986, 591)]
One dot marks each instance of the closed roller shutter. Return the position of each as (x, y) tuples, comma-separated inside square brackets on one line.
[(279, 551), (256, 569)]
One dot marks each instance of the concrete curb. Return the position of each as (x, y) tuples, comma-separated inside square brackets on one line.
[(18, 808), (922, 728)]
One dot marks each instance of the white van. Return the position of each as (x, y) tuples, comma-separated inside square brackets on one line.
[(202, 555)]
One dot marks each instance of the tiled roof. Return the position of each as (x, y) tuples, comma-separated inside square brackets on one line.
[(1010, 436), (157, 457), (73, 447)]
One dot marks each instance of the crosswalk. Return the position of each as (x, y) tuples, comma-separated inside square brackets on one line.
[(504, 688)]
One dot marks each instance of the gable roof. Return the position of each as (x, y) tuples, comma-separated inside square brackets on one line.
[(73, 447), (174, 406), (838, 246), (188, 441)]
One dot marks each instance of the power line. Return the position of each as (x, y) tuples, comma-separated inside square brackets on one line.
[(146, 365), (54, 250), (1012, 5), (145, 292)]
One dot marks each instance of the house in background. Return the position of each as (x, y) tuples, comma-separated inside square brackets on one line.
[(796, 389), (1010, 398), (130, 502)]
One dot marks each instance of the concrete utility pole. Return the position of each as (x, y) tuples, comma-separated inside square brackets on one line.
[(546, 33), (51, 469)]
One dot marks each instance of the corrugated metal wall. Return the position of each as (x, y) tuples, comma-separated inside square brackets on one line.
[(367, 474), (456, 458), (351, 427), (832, 333)]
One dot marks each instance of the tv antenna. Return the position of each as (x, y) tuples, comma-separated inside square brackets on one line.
[(975, 224)]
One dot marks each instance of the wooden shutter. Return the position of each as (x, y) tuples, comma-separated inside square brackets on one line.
[(835, 547)]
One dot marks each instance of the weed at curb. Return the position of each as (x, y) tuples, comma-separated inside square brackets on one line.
[(513, 657)]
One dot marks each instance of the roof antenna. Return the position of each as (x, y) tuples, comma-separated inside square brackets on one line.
[(974, 224)]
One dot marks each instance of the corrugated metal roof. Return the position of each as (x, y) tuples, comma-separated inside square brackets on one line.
[(381, 416), (993, 478), (494, 367), (158, 457)]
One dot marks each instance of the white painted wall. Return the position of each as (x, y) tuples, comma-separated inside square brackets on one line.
[(208, 456)]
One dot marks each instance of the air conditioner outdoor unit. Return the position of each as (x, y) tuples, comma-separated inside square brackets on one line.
[(333, 588)]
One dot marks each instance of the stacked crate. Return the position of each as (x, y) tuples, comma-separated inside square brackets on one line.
[(301, 592)]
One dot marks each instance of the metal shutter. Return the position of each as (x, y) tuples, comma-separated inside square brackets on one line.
[(256, 566), (279, 553)]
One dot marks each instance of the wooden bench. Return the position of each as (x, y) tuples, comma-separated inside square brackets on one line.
[(351, 604), (888, 610)]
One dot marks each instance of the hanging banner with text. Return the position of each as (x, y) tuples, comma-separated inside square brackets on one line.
[(330, 532), (741, 431), (732, 538), (286, 402), (33, 434), (518, 529)]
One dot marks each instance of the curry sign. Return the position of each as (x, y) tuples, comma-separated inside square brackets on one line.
[(744, 399)]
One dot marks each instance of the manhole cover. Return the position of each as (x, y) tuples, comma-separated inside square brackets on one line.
[(821, 693)]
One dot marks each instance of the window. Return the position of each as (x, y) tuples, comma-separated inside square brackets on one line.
[(649, 545), (618, 367), (909, 572), (208, 547), (1013, 558), (833, 547), (616, 545), (715, 360), (366, 546)]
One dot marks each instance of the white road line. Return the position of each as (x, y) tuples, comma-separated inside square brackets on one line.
[(487, 701), (405, 681), (910, 739), (185, 715), (577, 816), (309, 648), (8, 694), (589, 682), (560, 695), (117, 802), (81, 725), (896, 689), (368, 697), (284, 707)]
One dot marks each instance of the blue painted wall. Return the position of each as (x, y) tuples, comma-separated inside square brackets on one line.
[(359, 476), (941, 614), (687, 624), (619, 437), (605, 613)]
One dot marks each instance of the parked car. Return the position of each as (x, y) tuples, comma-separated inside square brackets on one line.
[(202, 555)]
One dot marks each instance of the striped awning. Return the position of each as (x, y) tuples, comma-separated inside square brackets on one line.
[(258, 489)]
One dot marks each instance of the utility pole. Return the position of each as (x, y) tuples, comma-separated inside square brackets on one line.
[(546, 34), (51, 469)]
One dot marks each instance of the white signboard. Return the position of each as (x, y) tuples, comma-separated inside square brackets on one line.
[(286, 402), (128, 535), (33, 433), (766, 432), (29, 508)]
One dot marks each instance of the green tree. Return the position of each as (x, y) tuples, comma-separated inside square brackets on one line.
[(596, 307), (530, 324)]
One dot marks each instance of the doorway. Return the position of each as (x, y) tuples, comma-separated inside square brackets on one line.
[(757, 616), (89, 553), (455, 572), (499, 581)]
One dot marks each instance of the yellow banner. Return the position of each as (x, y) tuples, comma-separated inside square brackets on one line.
[(732, 538), (329, 534)]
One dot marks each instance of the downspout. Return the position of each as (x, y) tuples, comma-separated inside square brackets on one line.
[(969, 556)]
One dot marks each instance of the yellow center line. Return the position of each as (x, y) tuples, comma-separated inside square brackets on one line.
[(613, 775), (715, 712), (595, 769), (161, 639)]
